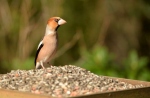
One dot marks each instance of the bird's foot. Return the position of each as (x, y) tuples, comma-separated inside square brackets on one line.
[(43, 67)]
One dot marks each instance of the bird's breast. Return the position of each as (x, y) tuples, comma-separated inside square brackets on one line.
[(48, 49)]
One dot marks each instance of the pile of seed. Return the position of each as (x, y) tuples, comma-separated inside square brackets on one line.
[(62, 81)]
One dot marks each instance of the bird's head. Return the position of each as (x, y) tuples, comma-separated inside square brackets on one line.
[(54, 22)]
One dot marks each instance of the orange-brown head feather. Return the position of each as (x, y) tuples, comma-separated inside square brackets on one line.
[(54, 22)]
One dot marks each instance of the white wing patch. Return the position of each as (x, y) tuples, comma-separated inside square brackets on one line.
[(40, 44)]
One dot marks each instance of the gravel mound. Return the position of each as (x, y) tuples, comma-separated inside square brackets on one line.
[(62, 81)]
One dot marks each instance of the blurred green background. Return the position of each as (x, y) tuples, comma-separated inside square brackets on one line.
[(107, 37)]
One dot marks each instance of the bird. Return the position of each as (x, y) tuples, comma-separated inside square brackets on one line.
[(47, 47)]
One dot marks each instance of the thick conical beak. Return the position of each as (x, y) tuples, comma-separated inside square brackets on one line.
[(61, 22)]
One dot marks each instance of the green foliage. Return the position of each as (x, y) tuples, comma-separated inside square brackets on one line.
[(26, 65), (17, 64), (96, 60), (135, 67), (100, 61)]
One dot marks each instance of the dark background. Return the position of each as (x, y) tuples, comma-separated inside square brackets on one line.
[(107, 37)]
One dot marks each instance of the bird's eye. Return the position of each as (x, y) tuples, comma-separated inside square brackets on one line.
[(56, 20)]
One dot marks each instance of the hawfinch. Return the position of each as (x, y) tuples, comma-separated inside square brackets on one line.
[(47, 47)]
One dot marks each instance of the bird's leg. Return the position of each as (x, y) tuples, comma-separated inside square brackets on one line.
[(42, 65)]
